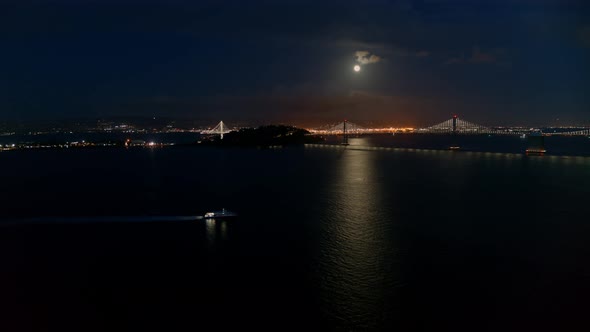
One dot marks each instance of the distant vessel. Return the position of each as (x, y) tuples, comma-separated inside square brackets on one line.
[(535, 152), (454, 148), (220, 214), (536, 144)]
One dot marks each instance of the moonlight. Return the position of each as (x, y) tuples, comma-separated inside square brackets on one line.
[(357, 68)]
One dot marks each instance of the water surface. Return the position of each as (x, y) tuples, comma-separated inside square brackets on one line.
[(341, 238)]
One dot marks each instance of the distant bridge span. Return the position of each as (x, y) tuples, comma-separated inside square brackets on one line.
[(455, 125)]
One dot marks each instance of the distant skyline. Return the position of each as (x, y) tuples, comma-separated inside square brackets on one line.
[(493, 62)]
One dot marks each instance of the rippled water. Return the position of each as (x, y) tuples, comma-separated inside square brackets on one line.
[(341, 238)]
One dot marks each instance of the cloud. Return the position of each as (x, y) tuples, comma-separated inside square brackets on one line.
[(365, 57)]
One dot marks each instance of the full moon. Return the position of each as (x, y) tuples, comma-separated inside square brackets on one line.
[(357, 68)]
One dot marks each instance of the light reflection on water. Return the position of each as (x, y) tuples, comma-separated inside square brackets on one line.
[(211, 234), (564, 146), (357, 249), (363, 144), (216, 232), (400, 233), (223, 232), (361, 270)]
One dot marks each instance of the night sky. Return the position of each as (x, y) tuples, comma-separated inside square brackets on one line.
[(490, 61)]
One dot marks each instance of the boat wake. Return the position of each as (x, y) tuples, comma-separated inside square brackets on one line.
[(101, 219)]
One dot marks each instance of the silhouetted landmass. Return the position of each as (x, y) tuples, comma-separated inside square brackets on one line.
[(264, 136)]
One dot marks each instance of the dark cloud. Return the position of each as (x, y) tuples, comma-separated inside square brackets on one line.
[(291, 60)]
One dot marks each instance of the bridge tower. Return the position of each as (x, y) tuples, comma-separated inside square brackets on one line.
[(455, 118), (220, 129), (345, 136)]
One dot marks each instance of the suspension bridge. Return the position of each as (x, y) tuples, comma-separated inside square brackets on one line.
[(220, 129), (455, 125)]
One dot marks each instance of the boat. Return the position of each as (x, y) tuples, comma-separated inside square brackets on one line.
[(536, 144), (454, 148), (535, 152), (220, 214)]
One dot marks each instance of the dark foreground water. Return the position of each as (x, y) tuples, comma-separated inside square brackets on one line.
[(327, 238)]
